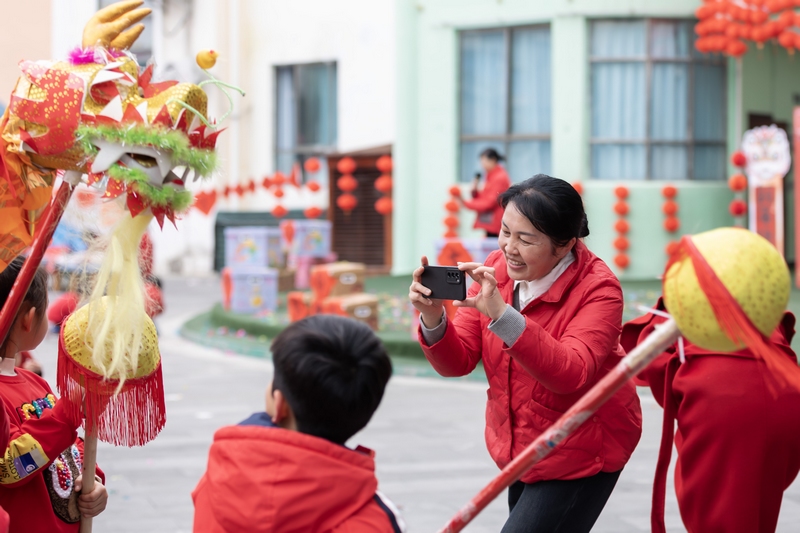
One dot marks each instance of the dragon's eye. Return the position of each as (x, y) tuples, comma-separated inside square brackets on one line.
[(144, 160)]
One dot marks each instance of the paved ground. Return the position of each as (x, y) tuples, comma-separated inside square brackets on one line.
[(428, 434)]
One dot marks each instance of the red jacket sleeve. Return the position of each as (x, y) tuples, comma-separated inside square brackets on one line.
[(486, 200), (459, 351), (568, 364), (35, 443)]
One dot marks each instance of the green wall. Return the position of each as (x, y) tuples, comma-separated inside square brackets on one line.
[(426, 150)]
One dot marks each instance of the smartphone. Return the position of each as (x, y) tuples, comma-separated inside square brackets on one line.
[(445, 282)]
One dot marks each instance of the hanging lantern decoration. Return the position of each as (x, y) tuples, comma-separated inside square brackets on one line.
[(578, 186), (312, 212), (738, 159), (452, 207), (346, 165), (347, 183), (725, 26), (313, 186), (279, 211), (621, 226), (266, 182), (278, 193), (670, 209), (738, 207), (279, 178), (347, 202), (384, 185), (311, 165), (239, 190)]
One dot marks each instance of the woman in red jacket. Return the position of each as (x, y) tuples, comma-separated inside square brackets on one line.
[(544, 315), (485, 201)]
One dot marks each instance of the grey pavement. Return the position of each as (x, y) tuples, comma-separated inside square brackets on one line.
[(428, 434)]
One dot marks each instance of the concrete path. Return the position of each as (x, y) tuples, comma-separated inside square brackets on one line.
[(428, 434)]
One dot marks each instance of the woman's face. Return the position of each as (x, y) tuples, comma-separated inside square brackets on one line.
[(487, 164), (530, 254)]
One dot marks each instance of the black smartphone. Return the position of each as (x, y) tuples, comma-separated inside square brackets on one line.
[(445, 282)]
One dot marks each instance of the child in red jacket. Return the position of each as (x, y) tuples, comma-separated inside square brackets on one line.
[(40, 468), (287, 470), (738, 434)]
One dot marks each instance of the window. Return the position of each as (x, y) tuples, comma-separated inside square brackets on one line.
[(658, 106), (505, 99), (305, 113), (143, 47)]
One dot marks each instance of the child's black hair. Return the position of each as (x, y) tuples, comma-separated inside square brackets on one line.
[(36, 295), (332, 371), (552, 205)]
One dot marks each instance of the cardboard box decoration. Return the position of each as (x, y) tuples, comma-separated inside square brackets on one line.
[(362, 307), (249, 289), (253, 246), (337, 279), (306, 238)]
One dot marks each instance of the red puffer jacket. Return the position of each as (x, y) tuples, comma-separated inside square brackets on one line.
[(490, 214), (569, 344)]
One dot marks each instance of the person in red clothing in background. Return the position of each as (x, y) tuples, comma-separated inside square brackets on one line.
[(738, 435), (288, 469), (40, 467), (544, 315), (484, 201)]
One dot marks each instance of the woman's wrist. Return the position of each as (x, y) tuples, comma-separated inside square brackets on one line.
[(430, 321)]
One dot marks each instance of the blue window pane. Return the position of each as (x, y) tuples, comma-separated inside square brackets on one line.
[(618, 38), (470, 157), (316, 85), (669, 163), (709, 162), (530, 81), (483, 83), (709, 102), (618, 101), (285, 110), (528, 158), (669, 109), (670, 39), (618, 161)]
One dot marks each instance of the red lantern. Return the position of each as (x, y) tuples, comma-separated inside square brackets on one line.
[(266, 183), (279, 178), (278, 193), (672, 224), (738, 159), (451, 222), (311, 165), (384, 206), (737, 182), (672, 248), (451, 233), (621, 208), (786, 39), (279, 211), (622, 261), (251, 186), (313, 186), (226, 191), (621, 192), (312, 212), (384, 164), (736, 48), (455, 191), (669, 192), (346, 165), (347, 183), (239, 190), (452, 206), (622, 226), (578, 186), (738, 208), (347, 202), (670, 208), (621, 244), (384, 184)]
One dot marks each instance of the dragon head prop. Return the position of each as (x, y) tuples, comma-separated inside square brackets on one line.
[(100, 114)]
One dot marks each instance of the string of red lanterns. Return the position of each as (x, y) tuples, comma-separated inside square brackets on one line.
[(725, 25), (384, 185), (452, 207), (738, 184), (621, 226), (672, 223), (347, 184)]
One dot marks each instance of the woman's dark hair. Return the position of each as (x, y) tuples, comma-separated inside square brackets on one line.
[(491, 153), (552, 205), (332, 371), (37, 293)]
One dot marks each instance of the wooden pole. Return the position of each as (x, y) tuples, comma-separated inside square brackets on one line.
[(89, 469), (664, 335)]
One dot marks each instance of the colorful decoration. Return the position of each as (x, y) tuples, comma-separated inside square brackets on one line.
[(621, 226), (384, 185), (452, 207), (346, 165), (384, 206), (347, 202), (768, 159), (578, 186), (311, 165), (670, 209), (738, 207), (727, 25)]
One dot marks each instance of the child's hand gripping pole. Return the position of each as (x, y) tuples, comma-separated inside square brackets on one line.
[(40, 244), (664, 335)]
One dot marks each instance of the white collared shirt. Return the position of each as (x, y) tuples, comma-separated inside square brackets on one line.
[(530, 290)]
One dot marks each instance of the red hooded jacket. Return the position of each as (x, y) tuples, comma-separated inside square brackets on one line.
[(272, 480), (490, 214), (738, 441), (569, 344)]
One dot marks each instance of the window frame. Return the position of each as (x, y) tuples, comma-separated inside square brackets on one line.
[(508, 137), (649, 61), (305, 150)]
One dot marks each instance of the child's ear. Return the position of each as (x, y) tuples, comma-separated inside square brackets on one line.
[(282, 410), (28, 319)]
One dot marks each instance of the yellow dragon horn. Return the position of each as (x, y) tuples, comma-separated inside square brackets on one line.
[(115, 26)]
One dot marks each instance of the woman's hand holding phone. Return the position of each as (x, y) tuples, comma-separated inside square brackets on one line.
[(430, 309), (488, 301)]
